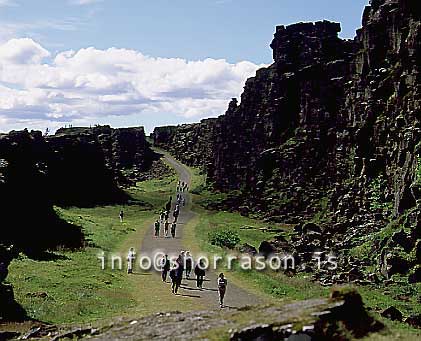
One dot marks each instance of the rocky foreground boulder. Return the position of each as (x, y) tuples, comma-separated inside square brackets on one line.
[(340, 317)]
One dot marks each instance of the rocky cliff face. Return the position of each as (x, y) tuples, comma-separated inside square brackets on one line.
[(89, 163), (28, 219), (78, 166), (190, 143), (330, 131)]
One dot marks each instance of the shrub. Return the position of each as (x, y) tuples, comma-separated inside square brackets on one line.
[(224, 238)]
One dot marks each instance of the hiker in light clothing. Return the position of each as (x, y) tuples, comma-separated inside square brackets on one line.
[(166, 228), (130, 259)]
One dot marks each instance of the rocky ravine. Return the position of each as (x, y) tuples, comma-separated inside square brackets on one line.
[(329, 133)]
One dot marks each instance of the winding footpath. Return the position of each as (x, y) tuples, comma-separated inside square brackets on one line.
[(236, 297)]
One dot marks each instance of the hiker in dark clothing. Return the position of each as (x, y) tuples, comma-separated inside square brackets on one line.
[(173, 276), (157, 226), (121, 216), (173, 227), (199, 271), (189, 263), (176, 275), (176, 213), (166, 215), (165, 266), (168, 204), (222, 288)]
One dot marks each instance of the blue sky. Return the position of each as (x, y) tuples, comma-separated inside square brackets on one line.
[(235, 31)]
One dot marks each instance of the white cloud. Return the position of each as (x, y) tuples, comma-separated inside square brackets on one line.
[(91, 84), (7, 3), (22, 51)]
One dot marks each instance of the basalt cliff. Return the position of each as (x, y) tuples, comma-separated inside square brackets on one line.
[(326, 138), (74, 167)]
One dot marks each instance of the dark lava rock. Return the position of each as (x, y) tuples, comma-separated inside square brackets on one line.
[(414, 321), (403, 239), (247, 248), (309, 228), (392, 314), (418, 251), (9, 309), (257, 332), (415, 275), (266, 248)]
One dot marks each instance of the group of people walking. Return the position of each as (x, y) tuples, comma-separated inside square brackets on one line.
[(182, 186), (184, 265), (164, 216)]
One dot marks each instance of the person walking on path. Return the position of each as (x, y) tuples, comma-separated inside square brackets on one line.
[(175, 215), (173, 227), (162, 216), (199, 271), (168, 204), (121, 216), (222, 288), (166, 228), (189, 263), (176, 212), (173, 276), (165, 266), (157, 226), (130, 259), (176, 275)]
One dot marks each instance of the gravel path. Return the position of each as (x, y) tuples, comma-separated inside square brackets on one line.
[(236, 297)]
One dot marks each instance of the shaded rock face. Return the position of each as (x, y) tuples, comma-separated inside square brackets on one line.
[(9, 309), (190, 143), (28, 219), (89, 163), (77, 166), (331, 127)]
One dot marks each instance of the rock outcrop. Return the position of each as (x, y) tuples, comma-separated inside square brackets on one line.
[(76, 166), (341, 317), (330, 132), (28, 218), (89, 164), (190, 143)]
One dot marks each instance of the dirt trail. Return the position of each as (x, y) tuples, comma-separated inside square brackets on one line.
[(236, 297)]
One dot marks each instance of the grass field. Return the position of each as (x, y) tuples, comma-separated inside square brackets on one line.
[(71, 287)]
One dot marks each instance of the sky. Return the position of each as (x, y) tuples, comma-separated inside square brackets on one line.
[(139, 62)]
